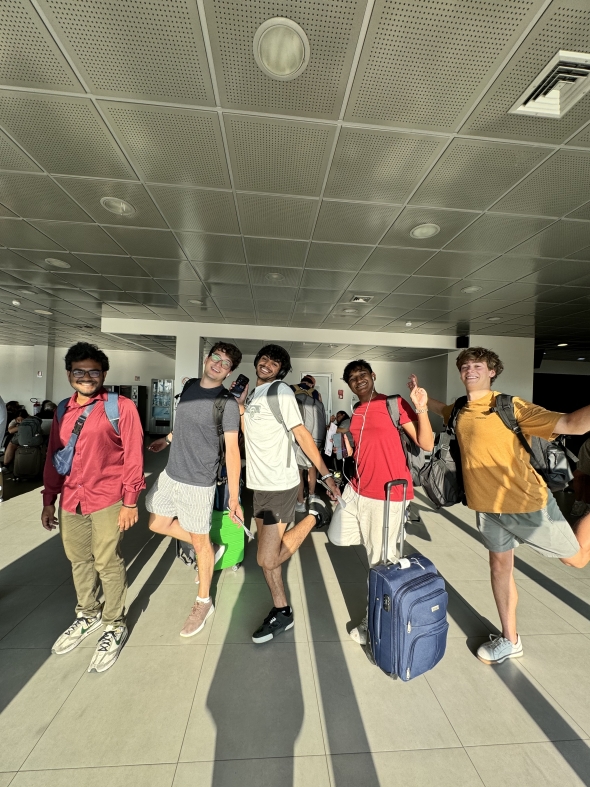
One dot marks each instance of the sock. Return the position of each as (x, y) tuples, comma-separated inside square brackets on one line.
[(204, 600), (285, 610)]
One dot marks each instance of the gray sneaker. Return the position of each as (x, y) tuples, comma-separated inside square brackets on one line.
[(359, 634), (108, 648), (498, 649), (81, 628), (196, 620)]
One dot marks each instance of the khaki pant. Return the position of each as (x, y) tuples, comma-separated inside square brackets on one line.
[(92, 544)]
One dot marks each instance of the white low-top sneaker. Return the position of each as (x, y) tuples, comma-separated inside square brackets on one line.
[(300, 508), (108, 648), (81, 628), (498, 649)]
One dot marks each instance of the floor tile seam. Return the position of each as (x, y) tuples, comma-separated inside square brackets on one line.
[(531, 743), (440, 705), (473, 765), (93, 767), (247, 759), (548, 608), (547, 691), (22, 620)]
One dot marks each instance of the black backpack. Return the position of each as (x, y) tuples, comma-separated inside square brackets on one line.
[(29, 432), (441, 477)]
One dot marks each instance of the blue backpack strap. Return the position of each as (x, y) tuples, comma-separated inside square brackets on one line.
[(61, 408), (111, 408)]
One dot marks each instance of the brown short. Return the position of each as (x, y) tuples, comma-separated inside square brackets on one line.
[(275, 506)]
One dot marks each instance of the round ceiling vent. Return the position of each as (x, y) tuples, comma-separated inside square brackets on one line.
[(118, 206), (281, 48), (425, 231)]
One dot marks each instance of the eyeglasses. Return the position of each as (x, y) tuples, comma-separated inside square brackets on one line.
[(80, 373), (218, 359)]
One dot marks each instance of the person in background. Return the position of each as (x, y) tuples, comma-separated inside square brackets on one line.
[(98, 502), (313, 413), (2, 430), (13, 444), (581, 483)]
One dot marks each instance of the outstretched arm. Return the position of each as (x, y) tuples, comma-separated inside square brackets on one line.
[(435, 405), (577, 422), (420, 431)]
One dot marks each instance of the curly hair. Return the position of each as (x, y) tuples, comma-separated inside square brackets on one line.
[(232, 352), (353, 366), (278, 354), (82, 351), (489, 357)]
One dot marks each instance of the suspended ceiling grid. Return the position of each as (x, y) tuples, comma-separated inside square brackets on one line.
[(273, 203)]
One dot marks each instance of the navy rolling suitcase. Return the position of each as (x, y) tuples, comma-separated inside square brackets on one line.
[(407, 618)]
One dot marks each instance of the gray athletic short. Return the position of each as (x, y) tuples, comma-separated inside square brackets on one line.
[(275, 506), (191, 504), (546, 531), (303, 461)]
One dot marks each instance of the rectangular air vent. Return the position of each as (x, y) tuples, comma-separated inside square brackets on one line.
[(361, 299), (560, 85)]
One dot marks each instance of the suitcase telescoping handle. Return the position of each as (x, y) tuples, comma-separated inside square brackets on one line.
[(399, 543)]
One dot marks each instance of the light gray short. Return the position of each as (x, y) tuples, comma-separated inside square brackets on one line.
[(191, 504), (546, 531)]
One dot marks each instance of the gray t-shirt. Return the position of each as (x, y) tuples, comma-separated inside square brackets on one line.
[(194, 453)]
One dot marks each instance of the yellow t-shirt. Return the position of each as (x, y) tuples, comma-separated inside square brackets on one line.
[(497, 473)]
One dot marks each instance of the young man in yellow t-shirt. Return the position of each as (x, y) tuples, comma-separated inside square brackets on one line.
[(512, 501)]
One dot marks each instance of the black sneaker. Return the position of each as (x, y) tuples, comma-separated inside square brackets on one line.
[(322, 512), (275, 622)]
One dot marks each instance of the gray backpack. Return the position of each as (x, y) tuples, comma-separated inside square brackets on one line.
[(29, 432), (313, 415)]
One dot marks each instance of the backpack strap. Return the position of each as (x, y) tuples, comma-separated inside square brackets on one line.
[(272, 397), (188, 384), (393, 409), (111, 408), (61, 408), (218, 410), (504, 408), (457, 407)]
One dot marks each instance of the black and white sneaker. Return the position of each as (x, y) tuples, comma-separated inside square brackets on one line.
[(321, 511), (274, 623)]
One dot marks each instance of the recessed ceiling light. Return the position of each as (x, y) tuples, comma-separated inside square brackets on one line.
[(425, 231), (408, 324), (118, 206), (41, 311), (16, 303), (494, 319), (274, 276), (581, 359), (281, 48), (350, 311), (563, 344), (194, 300), (27, 292), (57, 263), (469, 290)]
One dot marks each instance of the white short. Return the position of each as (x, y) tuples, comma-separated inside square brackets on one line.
[(361, 522), (191, 504)]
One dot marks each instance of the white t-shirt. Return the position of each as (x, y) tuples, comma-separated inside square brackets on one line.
[(267, 443)]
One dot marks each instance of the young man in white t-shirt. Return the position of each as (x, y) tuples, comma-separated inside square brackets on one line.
[(273, 475)]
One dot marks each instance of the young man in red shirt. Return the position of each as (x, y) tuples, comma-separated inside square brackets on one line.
[(379, 458), (98, 502)]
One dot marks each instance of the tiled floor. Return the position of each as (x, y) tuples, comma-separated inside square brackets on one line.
[(307, 710)]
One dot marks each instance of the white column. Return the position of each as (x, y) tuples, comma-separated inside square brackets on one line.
[(189, 357), (42, 371)]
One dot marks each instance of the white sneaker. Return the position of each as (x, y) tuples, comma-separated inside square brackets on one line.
[(300, 508), (313, 498), (218, 551), (108, 648), (498, 649), (81, 628), (359, 634)]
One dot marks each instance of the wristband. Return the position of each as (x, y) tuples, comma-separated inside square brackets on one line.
[(124, 506), (420, 412), (328, 475)]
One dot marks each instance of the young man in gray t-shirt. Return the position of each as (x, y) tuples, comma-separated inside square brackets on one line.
[(181, 500)]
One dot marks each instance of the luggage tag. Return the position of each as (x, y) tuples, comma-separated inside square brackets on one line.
[(249, 533)]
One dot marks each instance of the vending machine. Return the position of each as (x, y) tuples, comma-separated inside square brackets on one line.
[(160, 410), (139, 396)]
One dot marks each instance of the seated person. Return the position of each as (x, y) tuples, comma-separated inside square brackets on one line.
[(13, 429)]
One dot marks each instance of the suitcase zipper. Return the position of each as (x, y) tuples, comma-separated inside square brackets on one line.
[(433, 633), (396, 602), (418, 601)]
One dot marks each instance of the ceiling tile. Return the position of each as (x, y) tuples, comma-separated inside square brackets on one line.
[(497, 233), (136, 284), (87, 281), (75, 265), (278, 156), (269, 295), (261, 274), (509, 267), (88, 238), (423, 285), (269, 251), (108, 265), (581, 213), (200, 210), (88, 194), (279, 217), (337, 256), (167, 269), (560, 272), (408, 63), (185, 289), (450, 222), (236, 291), (453, 263), (354, 222), (147, 243), (12, 157), (316, 295), (583, 254), (377, 281), (333, 30), (559, 240), (543, 192), (396, 261), (5, 212), (166, 62), (312, 308), (161, 142), (521, 290), (66, 135), (10, 260), (485, 288), (37, 197), (380, 166), (456, 180), (202, 247), (222, 273), (319, 279), (17, 234)]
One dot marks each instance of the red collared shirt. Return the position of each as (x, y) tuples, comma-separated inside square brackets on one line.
[(107, 466)]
